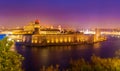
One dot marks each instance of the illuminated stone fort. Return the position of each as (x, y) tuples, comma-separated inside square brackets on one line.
[(34, 34), (50, 36), (53, 36)]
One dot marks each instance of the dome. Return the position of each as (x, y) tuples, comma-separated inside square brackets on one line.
[(37, 21)]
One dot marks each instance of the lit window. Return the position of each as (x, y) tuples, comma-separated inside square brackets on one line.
[(48, 41), (65, 39), (57, 41), (52, 40), (35, 41), (69, 39), (61, 39)]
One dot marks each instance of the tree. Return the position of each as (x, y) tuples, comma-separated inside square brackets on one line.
[(96, 64), (9, 60)]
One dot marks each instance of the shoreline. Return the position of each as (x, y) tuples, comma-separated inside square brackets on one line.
[(56, 44)]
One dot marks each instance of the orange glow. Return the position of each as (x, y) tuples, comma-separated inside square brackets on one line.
[(37, 21), (65, 39), (57, 40), (61, 39)]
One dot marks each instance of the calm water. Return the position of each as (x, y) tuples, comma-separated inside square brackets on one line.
[(36, 57)]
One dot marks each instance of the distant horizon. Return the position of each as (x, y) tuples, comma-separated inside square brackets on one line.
[(56, 26)]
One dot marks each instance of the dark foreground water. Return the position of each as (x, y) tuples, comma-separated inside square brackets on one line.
[(36, 57)]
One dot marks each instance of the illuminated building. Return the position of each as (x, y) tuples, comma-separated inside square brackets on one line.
[(51, 36), (36, 28), (33, 35), (33, 26), (59, 27), (29, 27), (49, 31)]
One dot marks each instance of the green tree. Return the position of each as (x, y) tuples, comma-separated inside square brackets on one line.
[(96, 64), (9, 60)]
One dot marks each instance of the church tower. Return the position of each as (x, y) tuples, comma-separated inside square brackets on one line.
[(36, 26)]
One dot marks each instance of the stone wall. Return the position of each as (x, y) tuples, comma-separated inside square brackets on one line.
[(61, 38)]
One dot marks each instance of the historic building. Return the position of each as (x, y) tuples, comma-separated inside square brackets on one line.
[(36, 28), (37, 36)]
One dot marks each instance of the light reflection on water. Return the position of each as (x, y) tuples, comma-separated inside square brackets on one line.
[(36, 57)]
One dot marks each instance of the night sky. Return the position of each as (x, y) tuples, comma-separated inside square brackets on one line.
[(67, 13)]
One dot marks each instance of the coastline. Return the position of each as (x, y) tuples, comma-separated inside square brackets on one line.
[(56, 44)]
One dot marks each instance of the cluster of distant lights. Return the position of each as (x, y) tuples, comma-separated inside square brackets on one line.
[(116, 36), (87, 31)]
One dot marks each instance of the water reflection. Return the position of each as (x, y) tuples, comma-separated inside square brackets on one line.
[(36, 57), (97, 48), (44, 56), (96, 45)]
